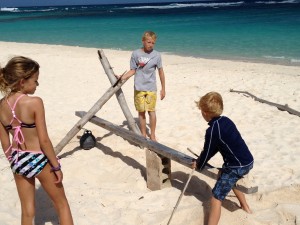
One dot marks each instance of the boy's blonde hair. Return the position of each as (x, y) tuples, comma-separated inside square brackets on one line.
[(148, 34), (211, 104)]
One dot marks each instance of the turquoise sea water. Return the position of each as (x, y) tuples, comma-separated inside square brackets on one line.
[(243, 30)]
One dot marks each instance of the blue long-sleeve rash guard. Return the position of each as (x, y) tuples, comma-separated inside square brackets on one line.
[(223, 136)]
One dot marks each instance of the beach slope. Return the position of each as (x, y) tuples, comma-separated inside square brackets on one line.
[(107, 184)]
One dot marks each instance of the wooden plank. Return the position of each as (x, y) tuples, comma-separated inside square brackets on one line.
[(97, 106), (140, 140), (161, 149)]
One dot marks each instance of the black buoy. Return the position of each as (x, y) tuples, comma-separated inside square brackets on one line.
[(87, 140)]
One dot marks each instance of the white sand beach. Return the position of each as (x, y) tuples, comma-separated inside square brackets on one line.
[(107, 184)]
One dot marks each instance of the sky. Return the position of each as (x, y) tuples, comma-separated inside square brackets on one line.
[(24, 3)]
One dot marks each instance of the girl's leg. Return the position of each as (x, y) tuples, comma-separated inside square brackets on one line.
[(241, 197), (142, 119), (152, 116), (26, 191), (215, 211), (57, 194)]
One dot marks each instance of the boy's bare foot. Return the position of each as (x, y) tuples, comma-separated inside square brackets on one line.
[(153, 138)]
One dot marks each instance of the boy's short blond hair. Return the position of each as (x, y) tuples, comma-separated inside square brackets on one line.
[(211, 103), (148, 34)]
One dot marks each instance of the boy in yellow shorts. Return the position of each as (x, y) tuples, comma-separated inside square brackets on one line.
[(143, 64)]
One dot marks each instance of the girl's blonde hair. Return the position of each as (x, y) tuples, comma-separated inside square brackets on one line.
[(16, 69), (148, 34), (211, 104)]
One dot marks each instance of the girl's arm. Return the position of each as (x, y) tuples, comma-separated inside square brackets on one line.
[(4, 138), (45, 142)]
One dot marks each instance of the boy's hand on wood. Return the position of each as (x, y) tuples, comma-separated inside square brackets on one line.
[(194, 165), (118, 76)]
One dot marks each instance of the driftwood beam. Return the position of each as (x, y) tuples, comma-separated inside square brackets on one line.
[(97, 106), (140, 140), (280, 107), (159, 149), (119, 94)]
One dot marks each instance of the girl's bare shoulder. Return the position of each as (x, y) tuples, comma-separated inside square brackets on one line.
[(33, 100)]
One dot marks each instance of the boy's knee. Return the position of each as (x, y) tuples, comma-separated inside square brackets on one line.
[(142, 114), (152, 113)]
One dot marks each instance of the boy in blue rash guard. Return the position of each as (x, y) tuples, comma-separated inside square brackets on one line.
[(223, 136)]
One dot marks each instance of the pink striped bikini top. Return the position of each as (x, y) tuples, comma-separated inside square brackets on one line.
[(18, 136)]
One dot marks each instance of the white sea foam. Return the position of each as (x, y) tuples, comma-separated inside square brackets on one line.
[(288, 60), (295, 60), (38, 10), (183, 5), (276, 2), (7, 9), (274, 57)]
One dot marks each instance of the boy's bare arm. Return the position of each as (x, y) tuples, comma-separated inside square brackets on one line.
[(127, 75), (162, 81)]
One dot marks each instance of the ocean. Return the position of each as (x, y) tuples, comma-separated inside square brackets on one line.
[(260, 31)]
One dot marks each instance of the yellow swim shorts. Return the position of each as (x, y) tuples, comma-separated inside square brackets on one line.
[(144, 100)]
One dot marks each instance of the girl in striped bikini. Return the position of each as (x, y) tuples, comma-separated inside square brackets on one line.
[(30, 152)]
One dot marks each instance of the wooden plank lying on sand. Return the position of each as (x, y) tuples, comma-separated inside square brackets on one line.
[(161, 149)]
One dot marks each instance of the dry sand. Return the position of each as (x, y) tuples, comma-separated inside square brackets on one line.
[(107, 184)]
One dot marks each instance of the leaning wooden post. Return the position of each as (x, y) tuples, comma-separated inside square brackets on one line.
[(119, 94), (98, 105)]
